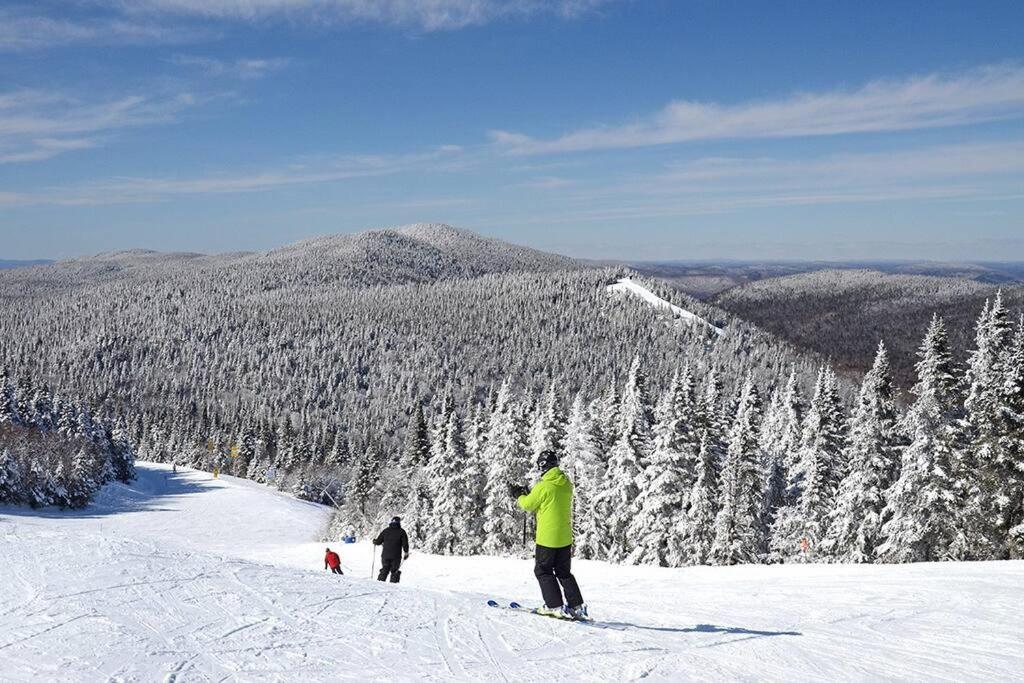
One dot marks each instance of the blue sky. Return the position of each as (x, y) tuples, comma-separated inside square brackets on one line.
[(646, 129)]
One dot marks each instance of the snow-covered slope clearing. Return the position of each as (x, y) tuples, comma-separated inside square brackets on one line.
[(626, 285), (180, 577)]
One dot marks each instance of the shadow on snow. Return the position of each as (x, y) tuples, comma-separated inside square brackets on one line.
[(152, 490), (700, 628)]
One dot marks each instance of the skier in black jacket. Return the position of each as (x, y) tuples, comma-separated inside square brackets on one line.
[(395, 544)]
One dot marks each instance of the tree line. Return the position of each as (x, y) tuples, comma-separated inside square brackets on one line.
[(303, 368), (54, 452), (764, 473)]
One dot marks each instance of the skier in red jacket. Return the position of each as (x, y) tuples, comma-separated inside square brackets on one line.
[(332, 562)]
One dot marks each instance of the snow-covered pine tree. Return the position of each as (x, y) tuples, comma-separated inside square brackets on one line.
[(855, 522), (415, 457), (737, 525), (63, 485), (339, 454), (1011, 464), (123, 456), (920, 511), (453, 517), (506, 457), (359, 490), (585, 465), (284, 455), (82, 482), (977, 467), (7, 407), (666, 480), (246, 442), (474, 477), (548, 432), (617, 501), (771, 426), (780, 444), (791, 413), (8, 412), (710, 419), (39, 484), (439, 422), (11, 477), (698, 528), (262, 453), (606, 416), (301, 452), (398, 480), (476, 431), (42, 408), (800, 526), (23, 394)]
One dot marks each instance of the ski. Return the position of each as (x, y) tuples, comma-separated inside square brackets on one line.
[(516, 607)]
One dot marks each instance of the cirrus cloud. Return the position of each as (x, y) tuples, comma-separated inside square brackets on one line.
[(932, 101), (426, 15)]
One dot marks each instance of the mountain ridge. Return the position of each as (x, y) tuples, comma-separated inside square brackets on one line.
[(419, 252)]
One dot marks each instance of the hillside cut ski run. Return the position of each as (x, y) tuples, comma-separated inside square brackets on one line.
[(629, 286)]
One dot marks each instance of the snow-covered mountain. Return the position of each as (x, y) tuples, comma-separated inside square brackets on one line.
[(340, 336), (147, 585), (415, 253)]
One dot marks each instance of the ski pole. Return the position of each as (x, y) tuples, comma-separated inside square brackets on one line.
[(373, 560)]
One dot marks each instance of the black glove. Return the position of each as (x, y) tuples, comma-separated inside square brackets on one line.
[(406, 556), (516, 490)]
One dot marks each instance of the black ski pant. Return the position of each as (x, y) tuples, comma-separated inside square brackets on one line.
[(337, 570), (553, 567), (390, 566)]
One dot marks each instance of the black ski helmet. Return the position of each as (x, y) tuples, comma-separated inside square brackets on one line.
[(546, 460), (396, 521)]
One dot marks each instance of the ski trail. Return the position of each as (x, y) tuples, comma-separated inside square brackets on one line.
[(153, 589), (443, 642), (629, 286)]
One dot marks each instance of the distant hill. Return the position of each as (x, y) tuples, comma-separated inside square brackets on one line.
[(4, 265), (415, 253), (843, 314), (418, 253), (706, 279)]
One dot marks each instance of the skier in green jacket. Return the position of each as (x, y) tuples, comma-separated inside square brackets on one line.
[(551, 501)]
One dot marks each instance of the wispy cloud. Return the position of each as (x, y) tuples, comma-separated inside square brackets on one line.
[(37, 125), (981, 172), (170, 22), (547, 183), (23, 30), (886, 169), (132, 190), (936, 100), (241, 68), (426, 15)]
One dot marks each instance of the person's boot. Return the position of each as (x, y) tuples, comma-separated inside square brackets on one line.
[(579, 612), (561, 612)]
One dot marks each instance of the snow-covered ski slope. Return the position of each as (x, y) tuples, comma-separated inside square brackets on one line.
[(180, 577), (626, 285)]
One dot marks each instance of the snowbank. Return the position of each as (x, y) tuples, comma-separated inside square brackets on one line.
[(181, 577)]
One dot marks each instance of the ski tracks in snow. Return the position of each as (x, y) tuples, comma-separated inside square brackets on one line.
[(161, 592)]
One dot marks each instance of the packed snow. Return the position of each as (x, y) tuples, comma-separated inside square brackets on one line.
[(179, 576), (629, 286)]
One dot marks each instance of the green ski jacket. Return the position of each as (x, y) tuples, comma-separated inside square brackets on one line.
[(551, 500)]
